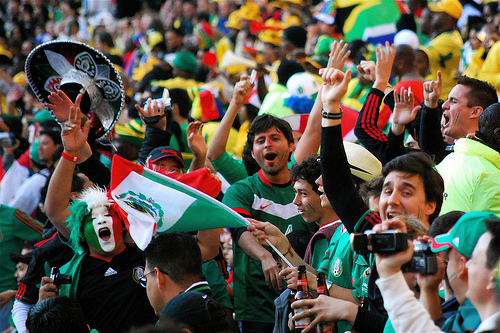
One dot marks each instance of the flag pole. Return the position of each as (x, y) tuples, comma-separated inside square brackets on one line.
[(279, 253)]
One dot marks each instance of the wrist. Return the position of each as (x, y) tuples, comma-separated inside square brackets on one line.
[(397, 129), (70, 156), (333, 107), (431, 104)]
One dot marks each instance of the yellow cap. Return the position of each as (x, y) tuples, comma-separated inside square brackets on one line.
[(250, 11), (450, 7), (233, 21)]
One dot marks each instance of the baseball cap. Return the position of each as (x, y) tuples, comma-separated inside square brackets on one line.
[(363, 164), (162, 152), (132, 132), (464, 235), (17, 258), (450, 7)]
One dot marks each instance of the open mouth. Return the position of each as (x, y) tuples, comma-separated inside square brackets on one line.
[(105, 234), (270, 156), (445, 120), (391, 216)]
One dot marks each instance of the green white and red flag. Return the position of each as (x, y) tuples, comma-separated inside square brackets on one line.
[(150, 202)]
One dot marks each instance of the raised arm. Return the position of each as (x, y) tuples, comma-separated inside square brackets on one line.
[(74, 138), (430, 137), (156, 134), (217, 146), (366, 129), (311, 139), (335, 170)]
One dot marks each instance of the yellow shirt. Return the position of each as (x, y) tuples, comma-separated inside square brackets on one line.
[(444, 55), (490, 71)]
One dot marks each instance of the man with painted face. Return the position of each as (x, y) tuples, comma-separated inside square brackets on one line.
[(103, 265)]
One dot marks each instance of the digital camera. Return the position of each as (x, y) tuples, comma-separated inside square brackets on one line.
[(59, 278), (382, 242), (423, 261)]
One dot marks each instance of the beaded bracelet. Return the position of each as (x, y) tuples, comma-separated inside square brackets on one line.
[(329, 115)]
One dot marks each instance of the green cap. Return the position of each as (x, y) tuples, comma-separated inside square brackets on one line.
[(43, 115), (34, 152), (464, 235), (186, 61)]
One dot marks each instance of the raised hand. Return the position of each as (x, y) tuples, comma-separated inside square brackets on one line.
[(385, 59), (73, 135), (334, 87), (367, 69), (242, 90), (432, 91), (338, 55), (404, 112), (155, 112), (61, 104), (196, 141)]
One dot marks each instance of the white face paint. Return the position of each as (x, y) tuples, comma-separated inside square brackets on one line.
[(102, 222)]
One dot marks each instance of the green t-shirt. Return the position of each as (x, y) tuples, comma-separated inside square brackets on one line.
[(256, 197), (320, 248), (337, 264)]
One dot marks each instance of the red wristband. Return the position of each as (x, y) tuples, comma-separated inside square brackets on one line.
[(71, 158)]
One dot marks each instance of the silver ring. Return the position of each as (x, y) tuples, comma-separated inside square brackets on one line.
[(310, 314)]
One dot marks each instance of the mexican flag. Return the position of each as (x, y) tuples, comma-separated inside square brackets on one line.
[(150, 202)]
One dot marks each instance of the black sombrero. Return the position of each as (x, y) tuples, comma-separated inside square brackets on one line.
[(75, 67)]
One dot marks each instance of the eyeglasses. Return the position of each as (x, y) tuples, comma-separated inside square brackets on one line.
[(140, 277), (143, 280)]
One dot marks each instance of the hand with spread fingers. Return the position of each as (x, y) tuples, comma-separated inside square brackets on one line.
[(61, 103), (196, 141), (404, 111), (338, 55), (73, 135)]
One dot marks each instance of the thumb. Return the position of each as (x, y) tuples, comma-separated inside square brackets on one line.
[(439, 78), (347, 77)]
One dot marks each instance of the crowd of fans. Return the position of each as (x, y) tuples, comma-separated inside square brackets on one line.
[(359, 118)]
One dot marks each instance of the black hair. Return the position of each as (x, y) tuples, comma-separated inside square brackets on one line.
[(488, 122), (442, 224), (481, 92), (286, 69), (105, 38), (58, 314), (309, 170), (417, 163), (299, 239), (371, 188), (252, 111), (183, 259), (493, 250), (181, 98), (54, 135), (263, 123)]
